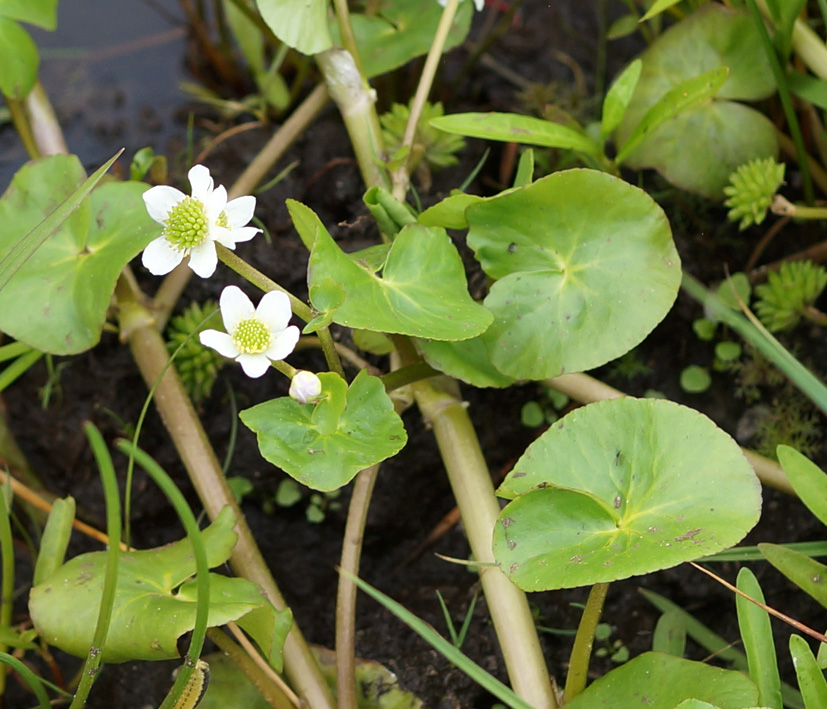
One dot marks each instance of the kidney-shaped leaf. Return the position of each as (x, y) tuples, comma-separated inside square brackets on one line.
[(702, 145), (58, 299), (421, 292), (657, 681), (621, 488), (325, 445), (301, 24), (586, 268), (154, 602)]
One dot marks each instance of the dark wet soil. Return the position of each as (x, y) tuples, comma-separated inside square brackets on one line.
[(412, 494)]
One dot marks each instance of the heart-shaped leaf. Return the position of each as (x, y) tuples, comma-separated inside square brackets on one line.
[(657, 681), (155, 603), (621, 488), (700, 147), (586, 269), (58, 299), (421, 292), (325, 445)]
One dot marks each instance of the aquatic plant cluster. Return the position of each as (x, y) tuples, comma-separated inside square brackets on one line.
[(580, 267)]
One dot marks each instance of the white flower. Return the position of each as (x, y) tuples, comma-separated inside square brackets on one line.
[(305, 387), (479, 4), (256, 335), (193, 224)]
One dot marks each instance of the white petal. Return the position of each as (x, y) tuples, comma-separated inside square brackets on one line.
[(480, 4), (254, 365), (242, 233), (159, 200), (215, 204), (283, 344), (274, 311), (223, 236), (160, 257), (201, 182), (235, 307), (203, 259), (221, 342), (240, 210)]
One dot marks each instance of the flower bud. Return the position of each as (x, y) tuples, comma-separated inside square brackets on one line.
[(305, 387)]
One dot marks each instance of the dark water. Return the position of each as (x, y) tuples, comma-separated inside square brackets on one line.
[(112, 70)]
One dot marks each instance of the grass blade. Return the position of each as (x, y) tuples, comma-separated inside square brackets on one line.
[(756, 634)]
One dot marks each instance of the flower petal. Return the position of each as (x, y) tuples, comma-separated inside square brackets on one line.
[(235, 307), (283, 343), (274, 311), (221, 342), (203, 259), (254, 365), (160, 200), (479, 4), (223, 236), (160, 257), (240, 210), (242, 233), (215, 203), (201, 182)]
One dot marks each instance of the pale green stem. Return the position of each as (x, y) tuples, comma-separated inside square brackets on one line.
[(348, 36), (193, 445), (356, 103), (805, 42), (21, 125), (474, 492), (785, 208), (582, 649), (7, 580), (271, 692), (44, 124), (173, 285), (357, 516), (401, 176)]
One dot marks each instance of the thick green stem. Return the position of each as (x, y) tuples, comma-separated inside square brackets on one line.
[(356, 103), (190, 439), (357, 516), (474, 493)]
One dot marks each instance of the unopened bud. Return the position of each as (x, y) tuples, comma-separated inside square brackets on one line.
[(305, 387)]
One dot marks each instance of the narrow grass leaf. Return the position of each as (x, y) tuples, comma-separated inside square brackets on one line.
[(756, 634), (811, 680), (427, 633)]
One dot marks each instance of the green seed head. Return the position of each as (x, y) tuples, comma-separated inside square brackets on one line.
[(252, 336), (186, 225)]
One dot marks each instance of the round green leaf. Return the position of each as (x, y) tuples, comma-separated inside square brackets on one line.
[(57, 301), (586, 269), (18, 60), (368, 431), (422, 291), (654, 680), (301, 24), (699, 148), (621, 488)]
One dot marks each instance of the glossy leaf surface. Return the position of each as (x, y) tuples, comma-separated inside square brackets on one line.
[(155, 602), (325, 445), (656, 681), (621, 488), (58, 299), (585, 268)]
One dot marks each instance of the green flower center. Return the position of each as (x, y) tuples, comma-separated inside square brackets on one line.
[(186, 224), (252, 336), (223, 220)]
